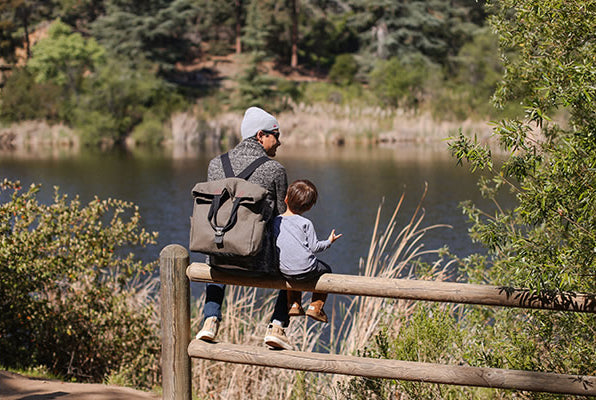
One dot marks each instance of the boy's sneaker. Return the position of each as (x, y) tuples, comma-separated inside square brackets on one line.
[(296, 310), (317, 313), (276, 338), (209, 331)]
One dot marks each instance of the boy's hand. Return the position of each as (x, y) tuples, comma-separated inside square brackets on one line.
[(333, 237)]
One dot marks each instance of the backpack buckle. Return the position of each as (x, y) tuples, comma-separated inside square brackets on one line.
[(219, 234)]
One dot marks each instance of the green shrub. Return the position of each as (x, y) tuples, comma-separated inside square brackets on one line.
[(254, 87), (403, 83), (23, 99), (475, 73), (323, 92), (432, 334), (344, 69), (73, 299), (288, 90), (117, 99), (149, 132), (96, 127)]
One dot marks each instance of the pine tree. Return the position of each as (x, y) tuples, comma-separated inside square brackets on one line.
[(17, 17), (219, 24), (254, 87), (436, 29), (152, 30)]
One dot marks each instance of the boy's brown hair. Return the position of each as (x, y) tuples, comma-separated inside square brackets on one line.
[(301, 196)]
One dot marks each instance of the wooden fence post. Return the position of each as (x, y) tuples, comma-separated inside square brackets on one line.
[(175, 322)]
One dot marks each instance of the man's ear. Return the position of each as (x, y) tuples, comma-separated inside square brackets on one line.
[(260, 135)]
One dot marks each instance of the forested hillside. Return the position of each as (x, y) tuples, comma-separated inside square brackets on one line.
[(117, 69)]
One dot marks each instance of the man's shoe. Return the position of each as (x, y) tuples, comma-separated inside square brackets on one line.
[(209, 331), (276, 338)]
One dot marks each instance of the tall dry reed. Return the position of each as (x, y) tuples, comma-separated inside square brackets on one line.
[(353, 324)]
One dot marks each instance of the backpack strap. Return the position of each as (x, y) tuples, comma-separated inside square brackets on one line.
[(252, 167), (247, 172), (227, 165)]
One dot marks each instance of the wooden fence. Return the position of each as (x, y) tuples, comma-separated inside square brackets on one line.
[(177, 348)]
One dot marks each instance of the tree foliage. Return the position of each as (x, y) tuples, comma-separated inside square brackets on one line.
[(215, 24), (473, 76), (403, 83), (147, 30), (64, 57), (255, 87), (418, 39), (17, 20), (24, 99), (434, 29), (79, 13), (117, 98), (73, 298), (547, 242)]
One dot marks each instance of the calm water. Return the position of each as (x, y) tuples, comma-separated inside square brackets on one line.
[(352, 183)]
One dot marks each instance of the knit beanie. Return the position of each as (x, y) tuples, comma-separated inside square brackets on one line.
[(256, 119)]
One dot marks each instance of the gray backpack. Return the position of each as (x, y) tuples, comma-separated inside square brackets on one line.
[(227, 220)]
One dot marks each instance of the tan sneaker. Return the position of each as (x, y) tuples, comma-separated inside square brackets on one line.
[(209, 331), (276, 338)]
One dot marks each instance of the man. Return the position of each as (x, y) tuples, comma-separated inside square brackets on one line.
[(260, 137)]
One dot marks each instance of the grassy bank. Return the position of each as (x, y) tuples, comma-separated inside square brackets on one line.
[(303, 125)]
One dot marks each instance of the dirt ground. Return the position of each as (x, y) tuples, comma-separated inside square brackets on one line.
[(18, 387)]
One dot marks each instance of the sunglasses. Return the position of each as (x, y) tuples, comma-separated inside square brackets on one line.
[(274, 133)]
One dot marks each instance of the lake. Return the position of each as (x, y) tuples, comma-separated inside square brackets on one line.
[(352, 182)]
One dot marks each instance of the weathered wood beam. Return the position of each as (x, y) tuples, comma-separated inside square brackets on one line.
[(395, 369), (450, 292), (175, 322)]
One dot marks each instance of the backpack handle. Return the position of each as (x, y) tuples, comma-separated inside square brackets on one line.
[(218, 200), (212, 216)]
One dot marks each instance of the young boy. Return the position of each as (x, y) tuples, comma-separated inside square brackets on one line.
[(297, 244)]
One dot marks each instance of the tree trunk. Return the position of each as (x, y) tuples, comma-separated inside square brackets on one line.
[(25, 15), (238, 26), (294, 11)]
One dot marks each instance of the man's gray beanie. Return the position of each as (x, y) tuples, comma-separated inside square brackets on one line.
[(256, 119)]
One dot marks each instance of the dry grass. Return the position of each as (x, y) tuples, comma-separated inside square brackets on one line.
[(352, 326), (327, 123)]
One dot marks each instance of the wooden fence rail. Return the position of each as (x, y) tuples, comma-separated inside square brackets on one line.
[(395, 369), (449, 292), (177, 348)]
